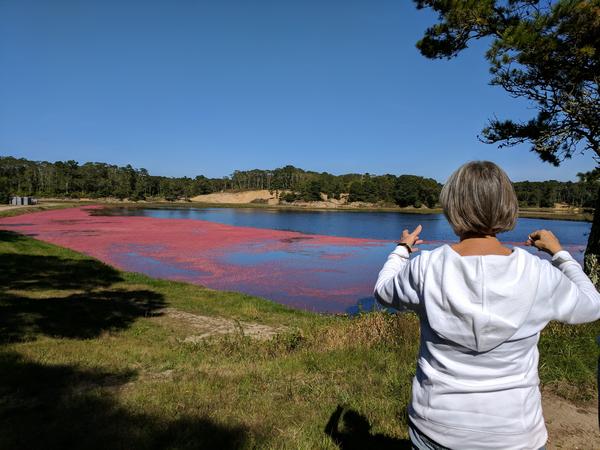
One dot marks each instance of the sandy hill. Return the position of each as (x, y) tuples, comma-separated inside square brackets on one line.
[(237, 197)]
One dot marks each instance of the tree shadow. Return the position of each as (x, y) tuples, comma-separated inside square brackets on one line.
[(34, 272), (77, 316), (356, 433), (65, 297), (10, 236), (37, 272), (62, 407)]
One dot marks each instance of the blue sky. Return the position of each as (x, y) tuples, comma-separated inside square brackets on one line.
[(198, 87)]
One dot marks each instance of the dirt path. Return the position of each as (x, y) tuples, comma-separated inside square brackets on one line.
[(9, 207), (570, 427), (207, 326), (27, 207)]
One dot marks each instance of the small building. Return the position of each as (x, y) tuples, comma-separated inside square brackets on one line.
[(22, 201)]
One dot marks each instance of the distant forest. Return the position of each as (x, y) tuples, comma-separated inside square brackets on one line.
[(68, 179)]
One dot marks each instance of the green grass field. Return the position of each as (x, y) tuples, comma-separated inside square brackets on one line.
[(91, 358)]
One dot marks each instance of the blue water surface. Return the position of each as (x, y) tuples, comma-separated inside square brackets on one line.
[(359, 224)]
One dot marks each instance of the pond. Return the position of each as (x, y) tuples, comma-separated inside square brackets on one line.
[(358, 224), (324, 261)]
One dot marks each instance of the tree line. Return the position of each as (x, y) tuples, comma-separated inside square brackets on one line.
[(69, 179)]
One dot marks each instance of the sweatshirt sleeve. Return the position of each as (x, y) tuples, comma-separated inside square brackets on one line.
[(574, 298), (399, 282)]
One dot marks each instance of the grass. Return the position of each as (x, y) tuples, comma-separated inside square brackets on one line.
[(89, 360), (577, 214)]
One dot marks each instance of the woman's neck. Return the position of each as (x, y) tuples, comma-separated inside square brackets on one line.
[(487, 237), (480, 244)]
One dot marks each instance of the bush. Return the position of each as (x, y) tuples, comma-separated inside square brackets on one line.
[(288, 197), (137, 196)]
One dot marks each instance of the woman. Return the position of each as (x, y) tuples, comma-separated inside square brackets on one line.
[(482, 306)]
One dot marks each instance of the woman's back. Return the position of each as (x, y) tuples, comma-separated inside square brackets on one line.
[(477, 378)]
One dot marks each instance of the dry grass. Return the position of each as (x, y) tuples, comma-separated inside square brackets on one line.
[(369, 330)]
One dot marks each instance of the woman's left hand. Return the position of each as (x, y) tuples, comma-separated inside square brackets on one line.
[(412, 238)]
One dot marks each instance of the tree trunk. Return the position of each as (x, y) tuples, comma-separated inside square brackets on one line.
[(591, 260)]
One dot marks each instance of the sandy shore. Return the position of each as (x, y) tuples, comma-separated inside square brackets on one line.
[(9, 207), (27, 207)]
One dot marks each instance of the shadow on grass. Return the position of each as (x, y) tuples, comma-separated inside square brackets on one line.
[(9, 236), (31, 301), (39, 272), (79, 316), (63, 407), (35, 272), (356, 433)]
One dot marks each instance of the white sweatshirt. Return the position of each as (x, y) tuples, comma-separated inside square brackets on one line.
[(476, 385)]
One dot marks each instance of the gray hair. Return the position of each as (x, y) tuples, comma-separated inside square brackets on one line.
[(479, 199)]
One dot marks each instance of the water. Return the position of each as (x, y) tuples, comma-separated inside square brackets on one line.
[(370, 225), (330, 267)]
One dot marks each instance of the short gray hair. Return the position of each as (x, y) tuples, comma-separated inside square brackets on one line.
[(479, 199)]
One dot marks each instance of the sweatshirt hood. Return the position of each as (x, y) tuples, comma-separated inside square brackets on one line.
[(478, 302)]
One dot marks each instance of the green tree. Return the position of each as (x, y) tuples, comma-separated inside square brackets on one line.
[(371, 193), (68, 173), (311, 191), (4, 190), (356, 192), (202, 185), (386, 187), (407, 191), (543, 51)]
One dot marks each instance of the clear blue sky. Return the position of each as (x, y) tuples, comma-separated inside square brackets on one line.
[(206, 87)]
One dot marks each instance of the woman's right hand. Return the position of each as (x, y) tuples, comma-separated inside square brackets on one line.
[(412, 238), (545, 241)]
